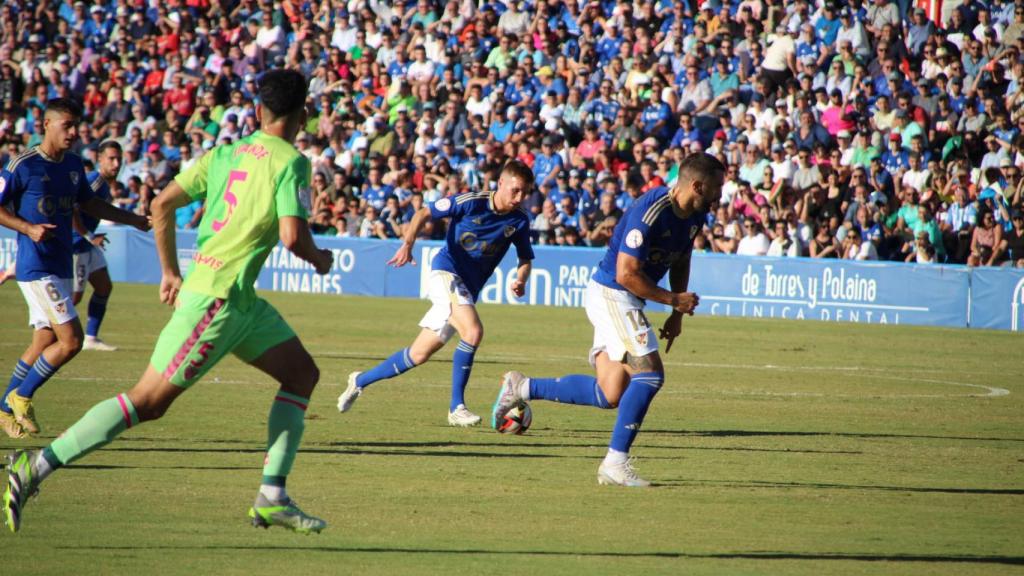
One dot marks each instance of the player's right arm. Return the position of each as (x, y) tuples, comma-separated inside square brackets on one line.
[(403, 255), (11, 190), (629, 264), (446, 207), (170, 199)]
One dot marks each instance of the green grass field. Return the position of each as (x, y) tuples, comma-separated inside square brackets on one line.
[(778, 448)]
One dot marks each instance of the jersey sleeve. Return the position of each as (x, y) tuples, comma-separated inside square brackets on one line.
[(444, 208), (635, 233), (521, 240), (292, 197), (84, 192), (193, 181), (10, 188)]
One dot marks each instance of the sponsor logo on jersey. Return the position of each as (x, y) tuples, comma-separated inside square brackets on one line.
[(443, 205), (74, 178), (305, 197), (635, 238)]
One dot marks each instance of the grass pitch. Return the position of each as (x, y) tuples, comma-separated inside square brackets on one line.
[(779, 447)]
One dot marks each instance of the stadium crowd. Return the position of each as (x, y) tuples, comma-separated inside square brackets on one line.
[(861, 130)]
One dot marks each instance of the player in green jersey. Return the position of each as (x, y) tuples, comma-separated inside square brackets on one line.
[(256, 193)]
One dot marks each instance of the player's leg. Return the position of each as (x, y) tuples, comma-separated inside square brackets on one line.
[(201, 331), (434, 334), (41, 339), (49, 301), (149, 399), (272, 347), (647, 374), (610, 343), (102, 287), (467, 323)]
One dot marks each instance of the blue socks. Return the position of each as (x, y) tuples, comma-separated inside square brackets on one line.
[(40, 372), (572, 389), (633, 407), (20, 371), (396, 364), (97, 309), (462, 365)]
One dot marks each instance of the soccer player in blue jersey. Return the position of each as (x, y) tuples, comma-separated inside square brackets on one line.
[(481, 228), (90, 266), (38, 193), (654, 237)]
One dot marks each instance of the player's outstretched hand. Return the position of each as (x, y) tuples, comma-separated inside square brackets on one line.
[(41, 232), (170, 285), (519, 288), (402, 256), (685, 302), (673, 327), (143, 223), (324, 262)]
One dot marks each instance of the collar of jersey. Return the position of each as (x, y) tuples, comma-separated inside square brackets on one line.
[(47, 157)]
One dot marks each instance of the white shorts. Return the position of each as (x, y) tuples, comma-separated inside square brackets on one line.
[(85, 263), (620, 326), (444, 290), (49, 302)]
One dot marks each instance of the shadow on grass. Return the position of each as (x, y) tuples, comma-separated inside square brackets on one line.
[(768, 555), (826, 486), (769, 433), (511, 443), (353, 450)]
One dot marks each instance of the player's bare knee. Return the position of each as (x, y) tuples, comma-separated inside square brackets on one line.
[(472, 335)]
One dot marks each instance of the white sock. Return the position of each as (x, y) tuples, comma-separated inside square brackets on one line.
[(524, 389), (274, 493), (40, 467), (614, 457)]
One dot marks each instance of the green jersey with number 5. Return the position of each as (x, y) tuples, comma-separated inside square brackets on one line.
[(247, 187)]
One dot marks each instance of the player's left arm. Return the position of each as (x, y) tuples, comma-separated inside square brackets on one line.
[(679, 281), (97, 240), (103, 210), (524, 251), (292, 202)]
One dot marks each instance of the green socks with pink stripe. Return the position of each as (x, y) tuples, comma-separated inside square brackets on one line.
[(284, 434), (100, 425)]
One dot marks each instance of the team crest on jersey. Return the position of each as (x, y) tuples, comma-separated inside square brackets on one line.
[(74, 178), (693, 231), (509, 231), (61, 308), (443, 204), (641, 339), (635, 238)]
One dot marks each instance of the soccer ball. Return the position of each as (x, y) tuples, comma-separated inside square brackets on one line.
[(517, 420)]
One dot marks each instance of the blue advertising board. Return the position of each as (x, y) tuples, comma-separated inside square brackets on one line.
[(790, 288)]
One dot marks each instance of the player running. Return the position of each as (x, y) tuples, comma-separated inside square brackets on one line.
[(89, 263), (38, 193), (255, 192), (481, 228), (654, 237)]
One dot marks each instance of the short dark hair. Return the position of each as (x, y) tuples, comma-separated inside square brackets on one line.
[(283, 92), (518, 169), (701, 166), (109, 145), (65, 106)]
